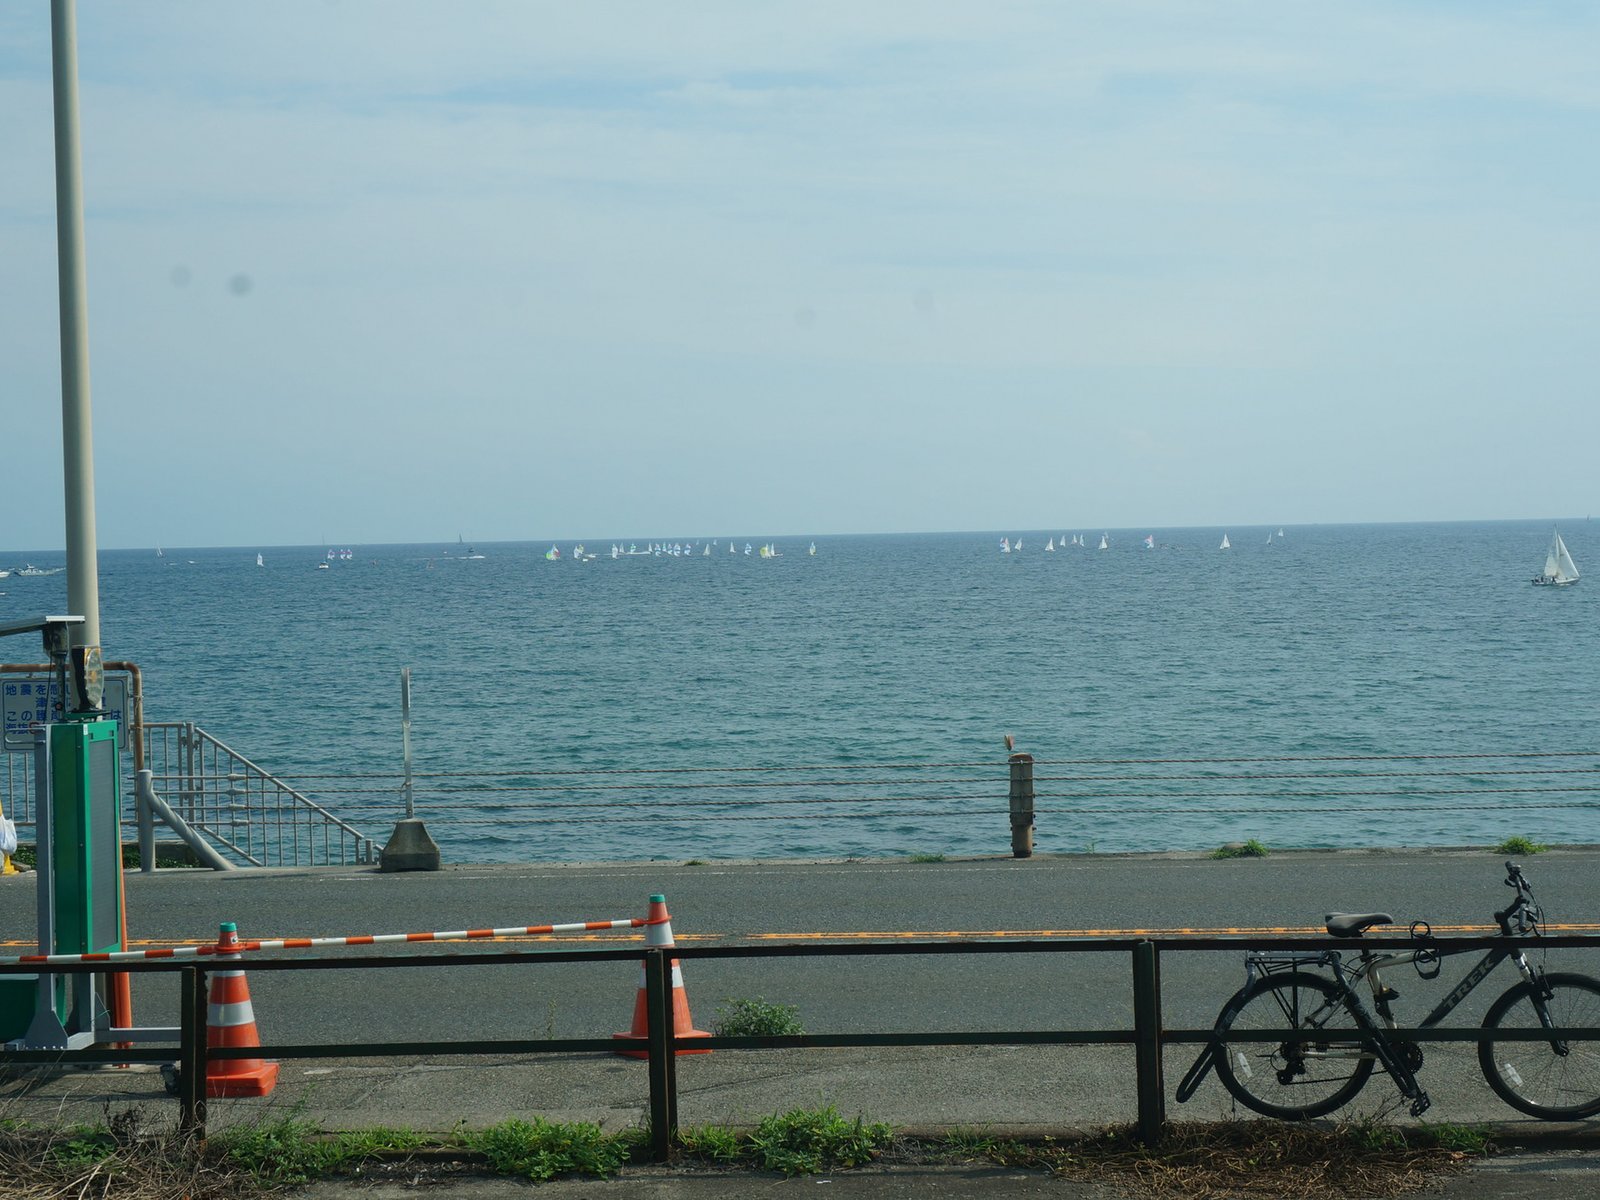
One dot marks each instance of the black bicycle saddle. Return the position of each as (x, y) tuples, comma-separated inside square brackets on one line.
[(1352, 924)]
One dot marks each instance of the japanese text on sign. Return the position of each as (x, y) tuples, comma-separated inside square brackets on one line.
[(34, 700)]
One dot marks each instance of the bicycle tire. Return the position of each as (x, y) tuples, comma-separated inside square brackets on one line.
[(1294, 1082), (1530, 1076)]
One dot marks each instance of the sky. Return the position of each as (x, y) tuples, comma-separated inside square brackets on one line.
[(368, 271)]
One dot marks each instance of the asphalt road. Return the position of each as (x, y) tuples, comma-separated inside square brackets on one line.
[(1024, 1088)]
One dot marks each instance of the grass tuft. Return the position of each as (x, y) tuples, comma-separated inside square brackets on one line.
[(756, 1018), (1249, 849), (927, 858), (1517, 844), (805, 1141), (541, 1150), (291, 1150)]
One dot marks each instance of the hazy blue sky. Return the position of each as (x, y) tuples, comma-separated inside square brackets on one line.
[(372, 272)]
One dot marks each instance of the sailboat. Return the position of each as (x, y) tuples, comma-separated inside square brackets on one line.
[(1102, 541), (812, 550), (1005, 545), (259, 562), (1225, 544), (1149, 541), (1559, 569), (1050, 545)]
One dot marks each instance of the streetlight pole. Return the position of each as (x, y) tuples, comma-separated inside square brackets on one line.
[(77, 435)]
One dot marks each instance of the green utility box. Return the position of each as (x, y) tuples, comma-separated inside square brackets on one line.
[(86, 838), (19, 996)]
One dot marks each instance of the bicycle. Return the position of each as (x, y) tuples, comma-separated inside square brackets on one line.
[(1317, 994)]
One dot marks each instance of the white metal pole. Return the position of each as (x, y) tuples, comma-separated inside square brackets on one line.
[(77, 438), (405, 738)]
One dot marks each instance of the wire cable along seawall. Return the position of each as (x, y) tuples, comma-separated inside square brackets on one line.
[(884, 806)]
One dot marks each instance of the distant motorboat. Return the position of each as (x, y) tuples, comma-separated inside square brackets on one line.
[(30, 570), (1559, 569)]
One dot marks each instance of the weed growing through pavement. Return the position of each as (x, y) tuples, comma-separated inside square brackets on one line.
[(1249, 849), (805, 1141), (541, 1150), (1517, 844), (293, 1150), (756, 1018), (927, 858)]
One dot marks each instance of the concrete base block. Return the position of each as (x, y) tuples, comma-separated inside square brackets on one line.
[(410, 848)]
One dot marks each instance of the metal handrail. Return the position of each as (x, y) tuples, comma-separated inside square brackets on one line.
[(250, 813)]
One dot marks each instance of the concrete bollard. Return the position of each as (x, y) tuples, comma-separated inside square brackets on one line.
[(410, 848)]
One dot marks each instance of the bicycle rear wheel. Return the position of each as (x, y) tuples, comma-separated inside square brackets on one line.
[(1534, 1077), (1292, 1080)]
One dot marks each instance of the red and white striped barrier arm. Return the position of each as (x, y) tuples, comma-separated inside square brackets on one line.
[(366, 939)]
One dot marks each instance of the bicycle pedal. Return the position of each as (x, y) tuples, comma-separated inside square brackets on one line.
[(1421, 1104)]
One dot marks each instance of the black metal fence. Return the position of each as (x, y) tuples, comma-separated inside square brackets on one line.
[(1148, 1034)]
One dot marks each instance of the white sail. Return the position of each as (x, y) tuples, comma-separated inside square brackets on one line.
[(1050, 545), (1558, 565), (259, 563), (1102, 541), (1225, 545), (1566, 568)]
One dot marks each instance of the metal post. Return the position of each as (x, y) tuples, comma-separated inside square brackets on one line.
[(192, 1060), (1021, 805), (1147, 1042), (663, 1052), (405, 738), (77, 436), (147, 823)]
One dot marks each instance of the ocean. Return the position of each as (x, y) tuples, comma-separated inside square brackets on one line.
[(1296, 690)]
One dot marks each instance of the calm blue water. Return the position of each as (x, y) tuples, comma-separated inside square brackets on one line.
[(1335, 641)]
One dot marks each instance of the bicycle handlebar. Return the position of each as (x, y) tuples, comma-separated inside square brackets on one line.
[(1519, 907)]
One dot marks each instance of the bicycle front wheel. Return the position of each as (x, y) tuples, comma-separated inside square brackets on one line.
[(1292, 1080), (1557, 1081)]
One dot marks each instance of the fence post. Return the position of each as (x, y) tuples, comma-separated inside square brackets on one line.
[(663, 1052), (1147, 1042), (1021, 805), (192, 1058)]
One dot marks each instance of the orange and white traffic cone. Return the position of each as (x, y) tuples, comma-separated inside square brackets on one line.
[(658, 933), (231, 1022)]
